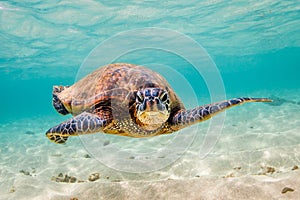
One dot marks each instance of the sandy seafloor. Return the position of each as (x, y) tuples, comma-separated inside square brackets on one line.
[(255, 157)]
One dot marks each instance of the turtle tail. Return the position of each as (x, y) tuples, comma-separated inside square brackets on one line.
[(56, 102), (186, 118)]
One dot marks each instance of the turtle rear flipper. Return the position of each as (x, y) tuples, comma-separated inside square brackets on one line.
[(59, 88), (84, 123), (186, 118), (56, 102)]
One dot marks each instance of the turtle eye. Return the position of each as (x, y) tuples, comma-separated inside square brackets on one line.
[(139, 97)]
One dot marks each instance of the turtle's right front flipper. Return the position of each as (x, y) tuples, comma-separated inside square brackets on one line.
[(84, 123)]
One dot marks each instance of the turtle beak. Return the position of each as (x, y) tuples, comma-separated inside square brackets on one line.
[(153, 113)]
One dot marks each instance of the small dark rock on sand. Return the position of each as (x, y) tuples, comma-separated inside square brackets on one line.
[(64, 178), (267, 170), (106, 143), (270, 170), (27, 173), (295, 167), (230, 175), (94, 177), (29, 133), (237, 168), (56, 155), (87, 156), (287, 189), (12, 189)]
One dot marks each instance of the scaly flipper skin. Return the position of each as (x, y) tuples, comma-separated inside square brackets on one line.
[(186, 118), (81, 124), (57, 104)]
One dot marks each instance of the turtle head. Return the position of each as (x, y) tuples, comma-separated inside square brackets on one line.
[(152, 106)]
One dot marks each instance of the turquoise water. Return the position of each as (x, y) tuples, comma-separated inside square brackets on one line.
[(255, 46)]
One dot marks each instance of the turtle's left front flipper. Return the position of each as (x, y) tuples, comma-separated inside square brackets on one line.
[(81, 124), (186, 118)]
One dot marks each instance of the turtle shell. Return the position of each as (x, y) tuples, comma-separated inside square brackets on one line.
[(111, 86)]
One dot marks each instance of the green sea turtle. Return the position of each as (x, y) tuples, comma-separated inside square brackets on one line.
[(128, 100)]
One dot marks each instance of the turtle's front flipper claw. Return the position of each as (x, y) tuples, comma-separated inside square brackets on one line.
[(186, 118), (84, 123)]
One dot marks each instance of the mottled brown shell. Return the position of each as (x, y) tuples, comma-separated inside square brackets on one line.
[(113, 85)]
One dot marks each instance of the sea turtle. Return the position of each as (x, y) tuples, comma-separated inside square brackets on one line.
[(128, 100)]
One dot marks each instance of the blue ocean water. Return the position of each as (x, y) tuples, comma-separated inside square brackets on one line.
[(255, 46)]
